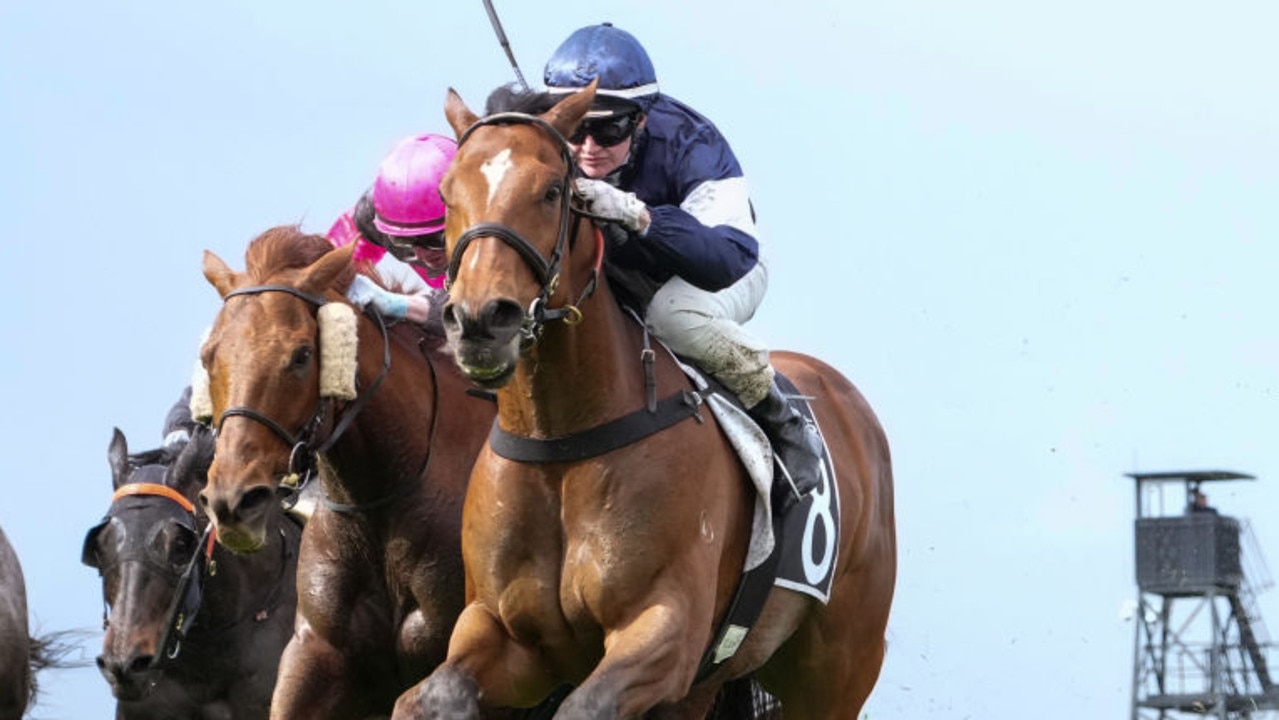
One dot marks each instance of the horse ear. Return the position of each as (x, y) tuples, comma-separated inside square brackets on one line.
[(219, 275), (118, 458), (566, 114), (321, 275), (458, 114), (195, 457)]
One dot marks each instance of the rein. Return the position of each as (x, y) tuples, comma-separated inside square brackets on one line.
[(273, 596), (303, 447), (187, 598), (545, 269)]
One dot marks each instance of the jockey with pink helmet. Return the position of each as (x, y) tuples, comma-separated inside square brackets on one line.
[(403, 214)]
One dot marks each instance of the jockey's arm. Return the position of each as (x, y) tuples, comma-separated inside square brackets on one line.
[(709, 239), (415, 307)]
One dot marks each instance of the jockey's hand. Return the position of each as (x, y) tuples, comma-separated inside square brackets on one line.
[(419, 309), (364, 291), (613, 204)]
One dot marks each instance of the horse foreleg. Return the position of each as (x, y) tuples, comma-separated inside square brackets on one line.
[(650, 661), (484, 661), (314, 679)]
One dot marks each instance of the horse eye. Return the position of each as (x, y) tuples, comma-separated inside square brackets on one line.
[(554, 192), (181, 547), (301, 357)]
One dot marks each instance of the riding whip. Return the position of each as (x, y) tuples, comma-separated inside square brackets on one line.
[(506, 45)]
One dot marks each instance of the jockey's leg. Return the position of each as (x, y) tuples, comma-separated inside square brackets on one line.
[(707, 328), (796, 443)]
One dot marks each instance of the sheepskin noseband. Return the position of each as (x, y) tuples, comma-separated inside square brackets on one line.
[(201, 403)]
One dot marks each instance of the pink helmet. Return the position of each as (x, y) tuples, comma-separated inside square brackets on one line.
[(406, 194)]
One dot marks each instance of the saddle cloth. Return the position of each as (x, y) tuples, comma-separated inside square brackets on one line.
[(809, 532)]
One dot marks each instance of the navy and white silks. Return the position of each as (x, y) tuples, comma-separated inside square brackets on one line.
[(700, 259)]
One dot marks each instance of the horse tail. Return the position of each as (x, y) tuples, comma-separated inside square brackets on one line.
[(744, 699), (51, 651)]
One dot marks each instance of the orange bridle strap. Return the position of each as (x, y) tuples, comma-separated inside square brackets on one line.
[(154, 489)]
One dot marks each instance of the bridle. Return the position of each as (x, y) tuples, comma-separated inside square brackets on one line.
[(187, 594), (302, 444), (545, 269)]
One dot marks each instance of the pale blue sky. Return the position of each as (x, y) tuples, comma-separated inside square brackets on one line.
[(1037, 235)]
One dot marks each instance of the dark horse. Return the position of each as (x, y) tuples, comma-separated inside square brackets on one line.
[(16, 646), (380, 569), (611, 571), (22, 656), (192, 631)]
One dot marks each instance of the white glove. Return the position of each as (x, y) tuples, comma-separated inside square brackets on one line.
[(613, 204), (364, 291)]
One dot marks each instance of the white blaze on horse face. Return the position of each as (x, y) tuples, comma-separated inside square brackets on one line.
[(494, 169)]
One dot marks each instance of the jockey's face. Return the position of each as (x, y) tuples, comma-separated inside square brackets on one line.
[(597, 160)]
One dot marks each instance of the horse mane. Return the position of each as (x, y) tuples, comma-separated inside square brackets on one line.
[(512, 98), (158, 456), (286, 247)]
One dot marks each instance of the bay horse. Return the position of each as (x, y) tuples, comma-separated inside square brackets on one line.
[(611, 570), (192, 631), (380, 569)]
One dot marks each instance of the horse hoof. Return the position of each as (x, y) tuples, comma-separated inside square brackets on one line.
[(448, 694)]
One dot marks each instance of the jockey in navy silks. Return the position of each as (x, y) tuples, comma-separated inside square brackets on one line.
[(687, 248)]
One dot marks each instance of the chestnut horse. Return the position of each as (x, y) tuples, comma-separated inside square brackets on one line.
[(611, 572), (192, 631), (380, 568)]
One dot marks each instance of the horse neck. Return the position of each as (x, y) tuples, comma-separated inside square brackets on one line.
[(386, 443), (243, 585), (577, 376)]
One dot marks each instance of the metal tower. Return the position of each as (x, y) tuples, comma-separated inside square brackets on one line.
[(1201, 649)]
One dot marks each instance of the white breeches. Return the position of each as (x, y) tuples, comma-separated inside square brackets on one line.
[(706, 327)]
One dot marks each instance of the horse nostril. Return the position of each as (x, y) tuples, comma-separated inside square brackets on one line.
[(139, 664), (504, 317), (256, 498), (204, 501), (449, 317)]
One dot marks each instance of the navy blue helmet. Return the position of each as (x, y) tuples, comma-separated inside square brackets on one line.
[(610, 54)]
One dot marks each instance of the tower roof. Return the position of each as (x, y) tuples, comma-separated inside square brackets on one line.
[(1192, 476)]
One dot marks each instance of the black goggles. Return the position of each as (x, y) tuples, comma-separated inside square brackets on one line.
[(607, 131), (403, 248)]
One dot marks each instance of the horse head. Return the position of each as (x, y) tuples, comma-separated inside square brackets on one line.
[(264, 375), (147, 550), (514, 262)]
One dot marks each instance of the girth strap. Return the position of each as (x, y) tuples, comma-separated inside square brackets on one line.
[(747, 604), (601, 439)]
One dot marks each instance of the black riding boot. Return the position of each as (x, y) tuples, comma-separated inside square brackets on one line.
[(796, 445)]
